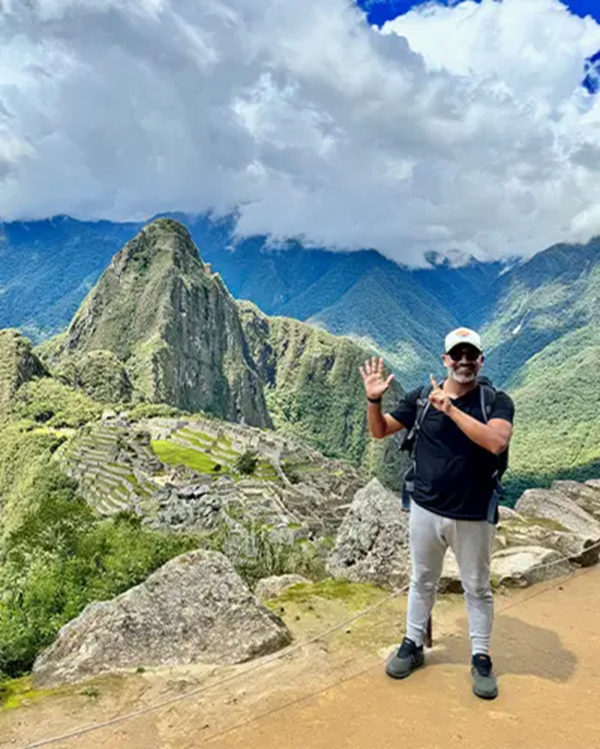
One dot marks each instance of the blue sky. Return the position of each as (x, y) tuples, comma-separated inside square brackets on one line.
[(380, 11)]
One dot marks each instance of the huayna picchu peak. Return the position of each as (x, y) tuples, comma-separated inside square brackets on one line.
[(173, 325)]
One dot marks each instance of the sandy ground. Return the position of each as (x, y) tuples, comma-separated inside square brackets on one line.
[(336, 695)]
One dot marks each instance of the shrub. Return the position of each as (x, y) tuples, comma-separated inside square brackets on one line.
[(246, 463)]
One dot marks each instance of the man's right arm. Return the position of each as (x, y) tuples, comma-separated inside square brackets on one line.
[(381, 425), (403, 416)]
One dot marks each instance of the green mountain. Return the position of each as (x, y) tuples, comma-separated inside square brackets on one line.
[(314, 390), (558, 405), (386, 310), (172, 324), (545, 339), (537, 302)]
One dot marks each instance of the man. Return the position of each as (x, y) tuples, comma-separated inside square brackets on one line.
[(455, 462)]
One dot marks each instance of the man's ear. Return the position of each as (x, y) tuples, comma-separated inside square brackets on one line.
[(482, 358)]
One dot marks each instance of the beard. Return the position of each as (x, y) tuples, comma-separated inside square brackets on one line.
[(463, 375)]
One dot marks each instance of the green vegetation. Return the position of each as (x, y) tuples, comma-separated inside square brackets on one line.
[(99, 374), (174, 454), (219, 460), (17, 364), (47, 401), (357, 596), (17, 692), (155, 410), (317, 393), (247, 462), (25, 453)]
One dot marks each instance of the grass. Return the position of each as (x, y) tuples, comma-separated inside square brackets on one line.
[(138, 488), (355, 595), (174, 454), (216, 447), (16, 692), (193, 437)]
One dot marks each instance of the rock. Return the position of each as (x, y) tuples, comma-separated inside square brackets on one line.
[(594, 483), (271, 587), (522, 530), (579, 550), (519, 566), (553, 505), (513, 566), (372, 543), (506, 513), (194, 608), (586, 496)]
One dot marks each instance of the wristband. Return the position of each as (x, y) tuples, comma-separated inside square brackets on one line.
[(374, 400)]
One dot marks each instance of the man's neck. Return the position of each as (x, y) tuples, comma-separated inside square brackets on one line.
[(457, 389)]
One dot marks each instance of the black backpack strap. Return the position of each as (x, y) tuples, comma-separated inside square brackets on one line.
[(487, 395), (423, 405)]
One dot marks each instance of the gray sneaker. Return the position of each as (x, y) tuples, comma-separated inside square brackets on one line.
[(484, 681), (407, 659)]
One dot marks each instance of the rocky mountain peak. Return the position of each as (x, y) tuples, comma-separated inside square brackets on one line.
[(173, 325), (160, 241)]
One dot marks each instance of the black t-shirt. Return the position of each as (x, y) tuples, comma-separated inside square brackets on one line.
[(453, 475)]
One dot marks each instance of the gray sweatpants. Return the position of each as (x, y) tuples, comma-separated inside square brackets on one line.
[(471, 541)]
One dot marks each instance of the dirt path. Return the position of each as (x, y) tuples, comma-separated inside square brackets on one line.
[(546, 653)]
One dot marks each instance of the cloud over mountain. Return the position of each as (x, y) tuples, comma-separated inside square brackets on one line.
[(453, 128)]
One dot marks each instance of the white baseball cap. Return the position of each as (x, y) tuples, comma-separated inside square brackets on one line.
[(462, 335)]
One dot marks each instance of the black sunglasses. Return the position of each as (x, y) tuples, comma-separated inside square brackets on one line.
[(470, 354)]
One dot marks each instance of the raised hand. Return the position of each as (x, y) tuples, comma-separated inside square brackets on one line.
[(374, 379), (438, 398)]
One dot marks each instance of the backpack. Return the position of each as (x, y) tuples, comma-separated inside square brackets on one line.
[(487, 394)]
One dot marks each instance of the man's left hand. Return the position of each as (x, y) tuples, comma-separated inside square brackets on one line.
[(438, 398)]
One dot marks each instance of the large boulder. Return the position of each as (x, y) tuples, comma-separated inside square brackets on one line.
[(521, 566), (586, 496), (271, 587), (554, 505), (515, 566), (194, 608), (515, 529), (372, 543)]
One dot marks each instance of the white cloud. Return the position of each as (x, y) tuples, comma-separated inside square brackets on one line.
[(455, 129)]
